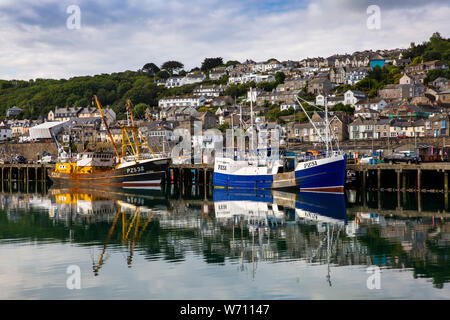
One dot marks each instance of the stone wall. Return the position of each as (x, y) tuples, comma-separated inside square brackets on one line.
[(28, 150)]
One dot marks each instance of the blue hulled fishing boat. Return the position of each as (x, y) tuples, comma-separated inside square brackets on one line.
[(325, 173)]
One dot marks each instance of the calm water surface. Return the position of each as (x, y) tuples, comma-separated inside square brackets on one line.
[(220, 245)]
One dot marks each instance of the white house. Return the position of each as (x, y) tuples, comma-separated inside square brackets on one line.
[(367, 113), (373, 104), (248, 77), (173, 82), (5, 133), (352, 97), (287, 106), (190, 78), (253, 95), (331, 100), (266, 66), (182, 101), (209, 92), (355, 75)]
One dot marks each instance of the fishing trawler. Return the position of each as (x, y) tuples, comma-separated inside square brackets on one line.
[(129, 170), (320, 174)]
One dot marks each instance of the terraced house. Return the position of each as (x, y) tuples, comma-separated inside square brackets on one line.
[(182, 101), (361, 129), (209, 92), (437, 126), (425, 67), (306, 132), (401, 91), (277, 97)]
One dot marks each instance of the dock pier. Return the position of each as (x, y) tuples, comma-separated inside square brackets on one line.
[(183, 175), (424, 177), (25, 172)]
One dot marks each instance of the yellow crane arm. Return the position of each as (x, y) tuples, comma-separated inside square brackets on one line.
[(106, 125)]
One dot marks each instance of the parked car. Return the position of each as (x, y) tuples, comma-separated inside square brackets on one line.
[(366, 160), (47, 159), (19, 159), (396, 157)]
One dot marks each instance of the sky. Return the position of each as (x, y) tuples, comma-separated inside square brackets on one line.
[(38, 38)]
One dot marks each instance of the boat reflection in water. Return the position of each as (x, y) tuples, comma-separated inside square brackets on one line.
[(266, 206), (266, 210), (186, 243), (132, 213)]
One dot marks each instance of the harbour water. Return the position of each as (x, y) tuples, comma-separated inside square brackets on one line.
[(175, 244)]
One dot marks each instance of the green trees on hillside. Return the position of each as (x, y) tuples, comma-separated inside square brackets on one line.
[(437, 48), (210, 63)]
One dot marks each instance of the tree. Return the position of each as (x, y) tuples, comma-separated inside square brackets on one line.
[(280, 77), (139, 110), (346, 108), (223, 127), (150, 69), (232, 63), (172, 66), (210, 63), (431, 55), (267, 86), (163, 74)]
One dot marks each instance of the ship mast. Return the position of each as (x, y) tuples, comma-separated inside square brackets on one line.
[(327, 135), (134, 129), (325, 139), (106, 125), (137, 136)]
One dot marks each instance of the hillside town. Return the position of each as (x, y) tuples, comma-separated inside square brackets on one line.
[(411, 107)]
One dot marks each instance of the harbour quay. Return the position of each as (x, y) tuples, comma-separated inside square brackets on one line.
[(25, 172), (423, 177)]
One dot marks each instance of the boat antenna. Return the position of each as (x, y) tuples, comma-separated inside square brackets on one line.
[(251, 118), (306, 113), (327, 135), (94, 99)]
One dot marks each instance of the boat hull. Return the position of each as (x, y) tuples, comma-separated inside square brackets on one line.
[(322, 175), (140, 175), (222, 180)]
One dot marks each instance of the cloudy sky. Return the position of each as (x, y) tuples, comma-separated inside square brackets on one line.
[(118, 35)]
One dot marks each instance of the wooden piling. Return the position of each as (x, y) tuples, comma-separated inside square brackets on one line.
[(446, 181), (419, 174), (379, 178)]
